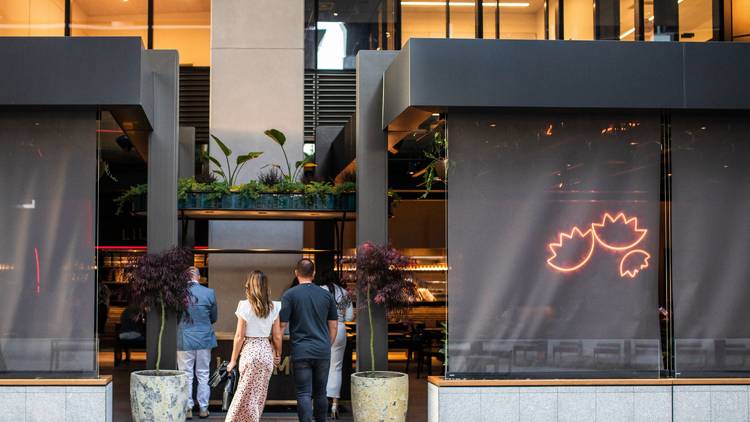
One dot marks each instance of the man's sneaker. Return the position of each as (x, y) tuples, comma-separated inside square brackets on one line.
[(189, 414), (204, 413)]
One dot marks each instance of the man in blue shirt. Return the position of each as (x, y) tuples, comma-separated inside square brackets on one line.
[(196, 339), (310, 313)]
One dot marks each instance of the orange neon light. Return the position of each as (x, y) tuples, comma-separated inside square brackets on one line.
[(608, 219), (595, 236), (556, 245), (633, 272)]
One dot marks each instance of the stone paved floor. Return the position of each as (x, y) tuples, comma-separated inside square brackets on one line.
[(121, 388)]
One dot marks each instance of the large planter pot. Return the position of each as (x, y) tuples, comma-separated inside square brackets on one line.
[(162, 397), (380, 396)]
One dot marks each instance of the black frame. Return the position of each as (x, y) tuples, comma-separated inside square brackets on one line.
[(721, 15)]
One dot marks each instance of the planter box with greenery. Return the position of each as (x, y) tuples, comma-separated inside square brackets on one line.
[(382, 278), (160, 285), (277, 188)]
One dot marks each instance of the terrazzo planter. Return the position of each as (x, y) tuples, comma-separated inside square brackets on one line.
[(162, 397), (380, 396)]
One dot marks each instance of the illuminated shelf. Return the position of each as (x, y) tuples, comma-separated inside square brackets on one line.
[(414, 268)]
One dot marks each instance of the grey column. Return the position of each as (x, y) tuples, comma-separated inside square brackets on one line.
[(162, 185), (257, 83), (372, 188)]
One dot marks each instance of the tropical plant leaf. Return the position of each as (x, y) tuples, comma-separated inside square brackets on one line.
[(247, 157), (276, 135), (220, 173), (225, 149), (215, 161)]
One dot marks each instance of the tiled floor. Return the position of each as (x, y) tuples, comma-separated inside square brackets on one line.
[(121, 392)]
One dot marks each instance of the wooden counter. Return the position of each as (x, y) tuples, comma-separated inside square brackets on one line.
[(78, 382)]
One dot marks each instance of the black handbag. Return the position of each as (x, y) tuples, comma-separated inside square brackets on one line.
[(230, 378)]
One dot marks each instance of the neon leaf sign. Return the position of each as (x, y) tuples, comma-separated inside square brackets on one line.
[(643, 264), (608, 234), (553, 247)]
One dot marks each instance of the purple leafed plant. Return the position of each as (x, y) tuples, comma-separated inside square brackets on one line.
[(161, 281), (384, 278)]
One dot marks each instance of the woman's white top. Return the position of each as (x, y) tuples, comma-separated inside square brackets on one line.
[(256, 326)]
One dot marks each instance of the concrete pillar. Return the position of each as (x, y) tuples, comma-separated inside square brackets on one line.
[(162, 186), (257, 75), (372, 188)]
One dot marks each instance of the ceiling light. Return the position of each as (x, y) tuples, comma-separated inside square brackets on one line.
[(335, 13), (626, 33), (463, 4)]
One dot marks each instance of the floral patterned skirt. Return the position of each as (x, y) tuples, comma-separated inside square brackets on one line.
[(256, 366)]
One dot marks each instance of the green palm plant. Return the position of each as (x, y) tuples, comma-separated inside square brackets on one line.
[(230, 174), (280, 139)]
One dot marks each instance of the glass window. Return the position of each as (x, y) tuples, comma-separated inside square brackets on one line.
[(553, 243), (345, 27), (648, 15), (462, 20), (552, 6), (23, 18), (48, 176), (710, 240), (109, 18), (579, 20), (421, 19), (522, 20), (741, 20), (488, 21), (627, 20), (184, 25), (696, 20)]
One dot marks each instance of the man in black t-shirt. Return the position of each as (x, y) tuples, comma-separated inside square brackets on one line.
[(310, 313)]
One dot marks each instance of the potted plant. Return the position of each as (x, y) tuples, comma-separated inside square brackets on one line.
[(382, 277), (437, 169), (159, 282)]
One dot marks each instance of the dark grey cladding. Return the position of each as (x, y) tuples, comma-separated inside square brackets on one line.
[(439, 74), (108, 73)]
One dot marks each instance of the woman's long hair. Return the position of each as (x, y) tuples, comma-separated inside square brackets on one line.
[(258, 295)]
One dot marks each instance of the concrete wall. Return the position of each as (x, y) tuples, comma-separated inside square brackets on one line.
[(257, 74), (593, 403)]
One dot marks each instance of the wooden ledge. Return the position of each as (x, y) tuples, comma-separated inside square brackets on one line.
[(60, 382), (442, 382)]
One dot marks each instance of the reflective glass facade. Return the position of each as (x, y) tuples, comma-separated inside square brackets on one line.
[(48, 182)]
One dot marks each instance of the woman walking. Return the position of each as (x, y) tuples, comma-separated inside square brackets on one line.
[(345, 314), (257, 319)]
